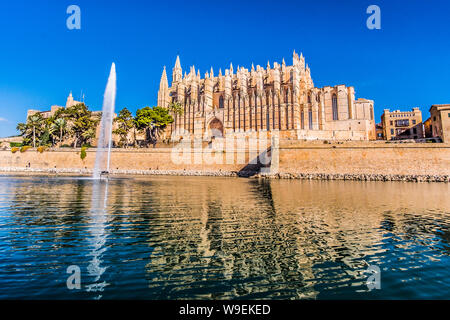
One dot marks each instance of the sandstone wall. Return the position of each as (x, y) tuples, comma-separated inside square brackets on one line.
[(143, 159), (366, 158), (293, 158)]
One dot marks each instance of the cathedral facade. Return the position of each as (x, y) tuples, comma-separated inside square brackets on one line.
[(278, 99)]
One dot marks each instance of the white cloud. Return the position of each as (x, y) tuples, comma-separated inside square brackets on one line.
[(3, 119)]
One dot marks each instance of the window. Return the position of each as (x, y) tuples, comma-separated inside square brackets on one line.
[(221, 102), (335, 107), (392, 131), (310, 119), (449, 114), (302, 119), (402, 123), (392, 123), (414, 121), (434, 118), (415, 130)]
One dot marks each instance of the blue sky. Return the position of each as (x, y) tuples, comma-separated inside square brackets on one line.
[(405, 64)]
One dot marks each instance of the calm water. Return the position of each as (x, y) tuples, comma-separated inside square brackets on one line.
[(222, 238)]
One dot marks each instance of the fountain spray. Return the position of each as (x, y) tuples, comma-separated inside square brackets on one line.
[(103, 155)]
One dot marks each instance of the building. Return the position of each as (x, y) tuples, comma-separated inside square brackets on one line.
[(379, 131), (427, 128), (439, 122), (402, 124), (47, 114), (69, 103), (279, 98)]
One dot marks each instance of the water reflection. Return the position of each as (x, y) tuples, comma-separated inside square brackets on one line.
[(223, 238), (98, 235)]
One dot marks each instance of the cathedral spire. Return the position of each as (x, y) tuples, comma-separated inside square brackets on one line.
[(192, 73), (177, 72), (268, 65), (212, 73), (231, 68), (163, 83), (163, 93)]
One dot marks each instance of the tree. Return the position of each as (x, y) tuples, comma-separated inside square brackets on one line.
[(125, 123), (59, 125), (152, 121), (33, 128), (82, 123), (176, 108)]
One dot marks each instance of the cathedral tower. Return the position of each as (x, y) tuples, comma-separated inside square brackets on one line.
[(163, 93)]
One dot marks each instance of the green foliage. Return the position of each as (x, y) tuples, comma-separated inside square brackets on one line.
[(24, 148), (75, 122), (125, 123), (15, 144), (44, 139), (79, 124), (152, 121), (58, 128), (14, 149), (83, 153), (176, 108), (33, 128), (82, 123)]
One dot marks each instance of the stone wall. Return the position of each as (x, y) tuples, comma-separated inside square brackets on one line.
[(386, 159), (124, 159), (298, 159)]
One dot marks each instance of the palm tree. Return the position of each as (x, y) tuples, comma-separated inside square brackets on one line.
[(176, 108), (35, 122), (60, 126), (88, 135)]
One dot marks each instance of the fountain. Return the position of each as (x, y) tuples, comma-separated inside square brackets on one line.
[(103, 155)]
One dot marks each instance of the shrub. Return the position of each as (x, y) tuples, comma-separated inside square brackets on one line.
[(65, 146), (83, 153), (15, 144), (14, 149), (41, 149), (24, 148)]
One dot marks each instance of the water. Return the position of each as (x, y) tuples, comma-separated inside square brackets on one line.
[(103, 154), (222, 238)]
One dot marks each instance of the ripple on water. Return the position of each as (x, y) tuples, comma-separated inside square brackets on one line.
[(222, 238)]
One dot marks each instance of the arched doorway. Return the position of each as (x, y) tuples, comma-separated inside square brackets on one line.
[(215, 128)]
